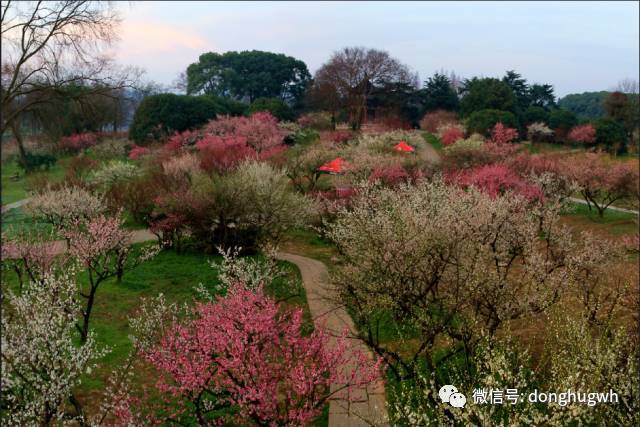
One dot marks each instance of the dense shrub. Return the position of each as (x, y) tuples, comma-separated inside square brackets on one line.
[(483, 121), (561, 121), (34, 162), (435, 119), (535, 114), (275, 106), (611, 134), (65, 206), (161, 115)]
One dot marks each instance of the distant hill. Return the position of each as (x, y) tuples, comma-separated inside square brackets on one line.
[(587, 105)]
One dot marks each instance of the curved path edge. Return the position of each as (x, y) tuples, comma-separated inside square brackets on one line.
[(369, 405)]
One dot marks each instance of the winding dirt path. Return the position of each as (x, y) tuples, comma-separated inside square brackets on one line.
[(369, 407)]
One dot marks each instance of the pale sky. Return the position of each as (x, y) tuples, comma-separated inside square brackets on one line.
[(576, 46)]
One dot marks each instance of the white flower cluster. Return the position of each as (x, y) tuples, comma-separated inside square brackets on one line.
[(64, 206), (41, 362)]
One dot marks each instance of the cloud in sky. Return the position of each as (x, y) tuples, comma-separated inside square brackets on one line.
[(576, 46)]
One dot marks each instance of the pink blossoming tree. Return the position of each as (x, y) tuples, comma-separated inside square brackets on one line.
[(584, 134), (102, 246), (495, 180), (244, 352), (502, 134)]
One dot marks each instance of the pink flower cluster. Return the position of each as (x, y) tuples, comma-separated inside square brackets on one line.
[(584, 134), (253, 355), (502, 134), (78, 141), (451, 135), (495, 180), (260, 130), (97, 237), (137, 152), (221, 154)]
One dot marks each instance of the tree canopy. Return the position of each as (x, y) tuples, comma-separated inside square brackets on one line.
[(352, 74), (487, 93), (438, 94), (249, 75), (586, 106)]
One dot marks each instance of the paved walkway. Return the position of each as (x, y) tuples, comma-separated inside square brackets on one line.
[(369, 408), (613, 208), (14, 205)]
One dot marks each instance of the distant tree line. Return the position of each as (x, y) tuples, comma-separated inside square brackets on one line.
[(359, 85)]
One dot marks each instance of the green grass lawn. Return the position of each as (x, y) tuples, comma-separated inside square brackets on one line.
[(617, 223), (546, 147), (16, 220), (15, 183)]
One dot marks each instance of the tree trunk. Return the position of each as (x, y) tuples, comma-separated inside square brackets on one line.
[(86, 315), (15, 129)]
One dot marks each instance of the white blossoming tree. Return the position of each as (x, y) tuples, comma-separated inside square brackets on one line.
[(41, 363)]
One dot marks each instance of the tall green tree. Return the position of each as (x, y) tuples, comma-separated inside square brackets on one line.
[(519, 87), (542, 96), (439, 94), (249, 75), (487, 93)]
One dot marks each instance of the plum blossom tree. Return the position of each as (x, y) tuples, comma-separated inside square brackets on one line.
[(239, 358), (602, 181), (30, 256), (497, 179), (41, 363), (539, 131), (222, 154), (584, 134), (260, 130), (502, 134), (445, 263), (101, 246), (65, 206)]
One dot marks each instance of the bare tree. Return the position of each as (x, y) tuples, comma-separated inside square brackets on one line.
[(354, 72), (47, 46)]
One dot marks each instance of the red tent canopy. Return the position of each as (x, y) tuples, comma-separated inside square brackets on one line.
[(404, 147), (337, 165)]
